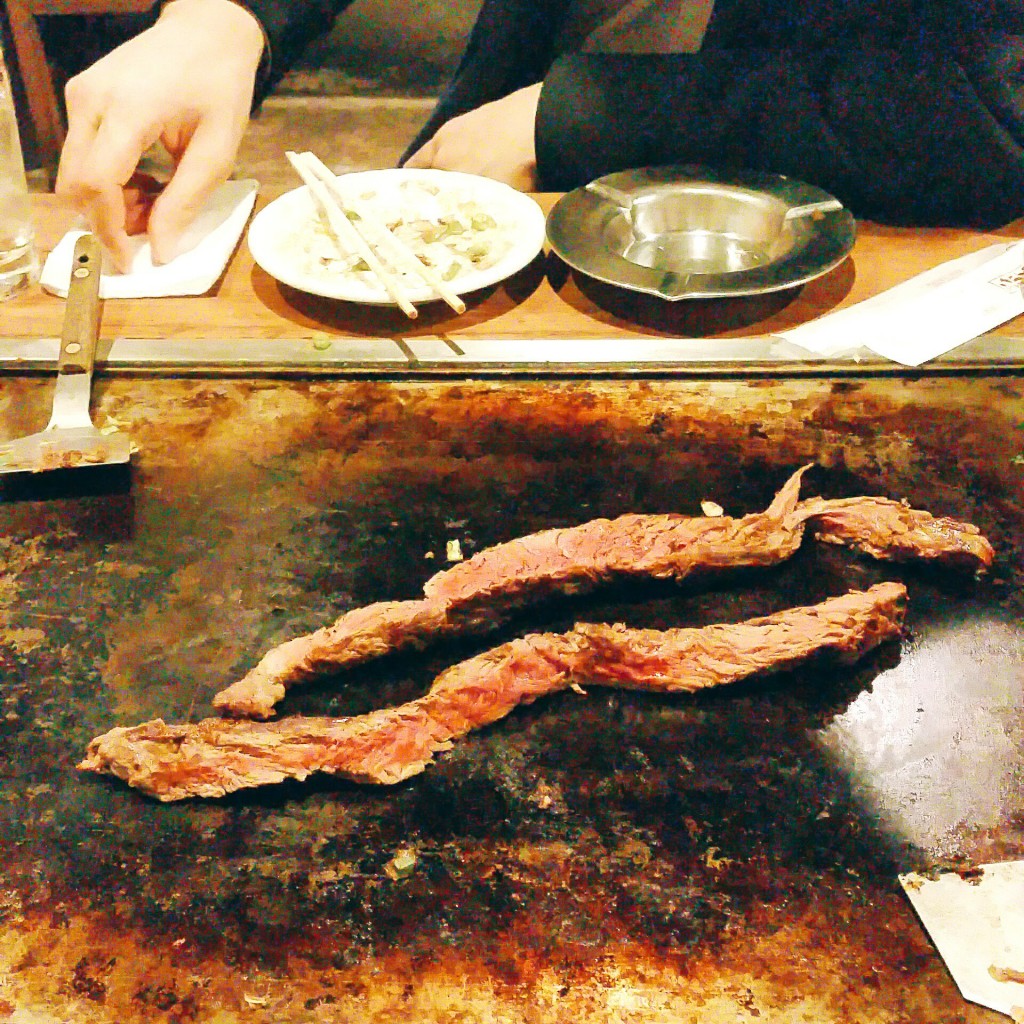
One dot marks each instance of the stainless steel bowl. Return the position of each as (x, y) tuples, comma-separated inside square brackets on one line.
[(701, 228), (692, 232)]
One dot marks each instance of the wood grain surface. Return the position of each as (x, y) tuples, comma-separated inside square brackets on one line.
[(544, 300)]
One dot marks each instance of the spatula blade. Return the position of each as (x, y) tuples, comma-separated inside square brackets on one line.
[(67, 448), (71, 440), (977, 925)]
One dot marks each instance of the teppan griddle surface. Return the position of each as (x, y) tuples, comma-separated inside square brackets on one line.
[(608, 857)]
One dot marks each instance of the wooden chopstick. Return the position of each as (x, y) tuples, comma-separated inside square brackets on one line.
[(399, 250), (347, 234)]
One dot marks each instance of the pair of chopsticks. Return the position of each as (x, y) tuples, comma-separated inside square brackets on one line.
[(357, 230)]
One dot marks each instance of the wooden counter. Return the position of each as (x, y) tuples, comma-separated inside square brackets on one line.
[(546, 315)]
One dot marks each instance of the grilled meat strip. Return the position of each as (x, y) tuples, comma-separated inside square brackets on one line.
[(894, 532), (481, 592), (218, 756)]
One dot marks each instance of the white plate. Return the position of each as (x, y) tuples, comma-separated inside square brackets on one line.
[(279, 233)]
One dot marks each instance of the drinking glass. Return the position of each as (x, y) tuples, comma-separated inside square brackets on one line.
[(19, 263)]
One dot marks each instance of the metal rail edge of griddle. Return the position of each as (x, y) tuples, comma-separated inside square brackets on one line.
[(440, 357)]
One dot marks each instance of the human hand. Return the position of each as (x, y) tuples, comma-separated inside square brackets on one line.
[(186, 82), (469, 142)]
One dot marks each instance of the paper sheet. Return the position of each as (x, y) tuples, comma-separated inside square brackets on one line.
[(932, 313), (977, 926), (211, 240)]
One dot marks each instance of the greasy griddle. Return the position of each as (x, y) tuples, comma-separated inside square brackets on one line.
[(730, 855)]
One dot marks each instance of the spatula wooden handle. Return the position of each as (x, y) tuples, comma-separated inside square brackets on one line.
[(81, 314)]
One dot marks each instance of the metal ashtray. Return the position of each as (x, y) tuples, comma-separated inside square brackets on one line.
[(688, 232)]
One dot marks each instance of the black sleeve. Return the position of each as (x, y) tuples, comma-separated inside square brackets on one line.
[(290, 26), (511, 46), (914, 134)]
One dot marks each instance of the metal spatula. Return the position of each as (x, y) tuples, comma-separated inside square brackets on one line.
[(977, 925), (70, 440)]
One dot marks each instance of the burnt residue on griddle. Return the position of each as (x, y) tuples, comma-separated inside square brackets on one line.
[(703, 834)]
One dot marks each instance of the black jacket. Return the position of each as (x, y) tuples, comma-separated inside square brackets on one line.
[(908, 110)]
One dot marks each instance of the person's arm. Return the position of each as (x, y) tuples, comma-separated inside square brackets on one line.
[(495, 140), (186, 82), (289, 26), (483, 123), (190, 82), (905, 134)]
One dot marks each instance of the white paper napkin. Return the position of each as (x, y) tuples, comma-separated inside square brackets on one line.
[(932, 313), (977, 925), (210, 241)]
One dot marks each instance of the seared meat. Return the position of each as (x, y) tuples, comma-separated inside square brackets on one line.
[(479, 593), (580, 558), (218, 756), (893, 531), (358, 635)]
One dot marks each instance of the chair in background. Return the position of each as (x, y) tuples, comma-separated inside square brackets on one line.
[(45, 112)]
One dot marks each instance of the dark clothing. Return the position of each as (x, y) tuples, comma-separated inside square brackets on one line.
[(899, 135), (907, 110), (290, 26)]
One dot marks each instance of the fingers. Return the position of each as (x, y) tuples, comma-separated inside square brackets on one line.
[(204, 165), (425, 155), (470, 144), (98, 158), (186, 81), (453, 150)]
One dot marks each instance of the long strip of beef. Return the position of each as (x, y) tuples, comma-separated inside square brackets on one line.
[(481, 592), (892, 531), (218, 756)]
